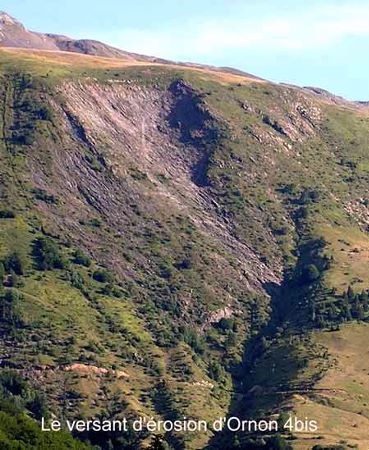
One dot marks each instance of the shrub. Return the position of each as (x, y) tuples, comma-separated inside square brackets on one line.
[(15, 262), (44, 113), (278, 442), (102, 276), (47, 255), (12, 280), (37, 405), (184, 264), (216, 371), (76, 280), (310, 273), (42, 195), (95, 222), (9, 308), (165, 270), (192, 338), (81, 259), (7, 214), (226, 324), (107, 289), (24, 137), (2, 274), (12, 384)]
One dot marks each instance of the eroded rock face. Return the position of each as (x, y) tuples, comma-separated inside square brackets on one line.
[(88, 369), (148, 130), (359, 211), (298, 122), (200, 202), (216, 316)]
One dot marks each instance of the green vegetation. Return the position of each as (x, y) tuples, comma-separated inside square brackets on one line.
[(20, 405), (47, 255), (7, 214), (81, 259), (179, 257), (15, 262)]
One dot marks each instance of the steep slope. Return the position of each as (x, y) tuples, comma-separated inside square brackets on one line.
[(174, 240), (102, 185)]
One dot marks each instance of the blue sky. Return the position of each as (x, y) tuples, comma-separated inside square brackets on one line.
[(321, 43)]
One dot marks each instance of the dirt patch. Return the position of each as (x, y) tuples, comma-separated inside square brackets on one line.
[(94, 370)]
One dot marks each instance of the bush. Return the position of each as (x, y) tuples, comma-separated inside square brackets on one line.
[(226, 324), (165, 270), (44, 113), (7, 214), (47, 255), (81, 259), (15, 262), (192, 338), (12, 280), (38, 406), (42, 195), (310, 273), (24, 137), (216, 371), (107, 289), (95, 222), (9, 309), (278, 442), (12, 384), (102, 276), (2, 274), (76, 280), (185, 264)]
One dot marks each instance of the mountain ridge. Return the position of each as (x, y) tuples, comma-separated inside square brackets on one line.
[(23, 38), (14, 34), (179, 241)]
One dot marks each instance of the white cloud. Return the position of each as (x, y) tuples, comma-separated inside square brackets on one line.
[(306, 29)]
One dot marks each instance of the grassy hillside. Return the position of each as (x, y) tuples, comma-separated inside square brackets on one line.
[(173, 237)]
